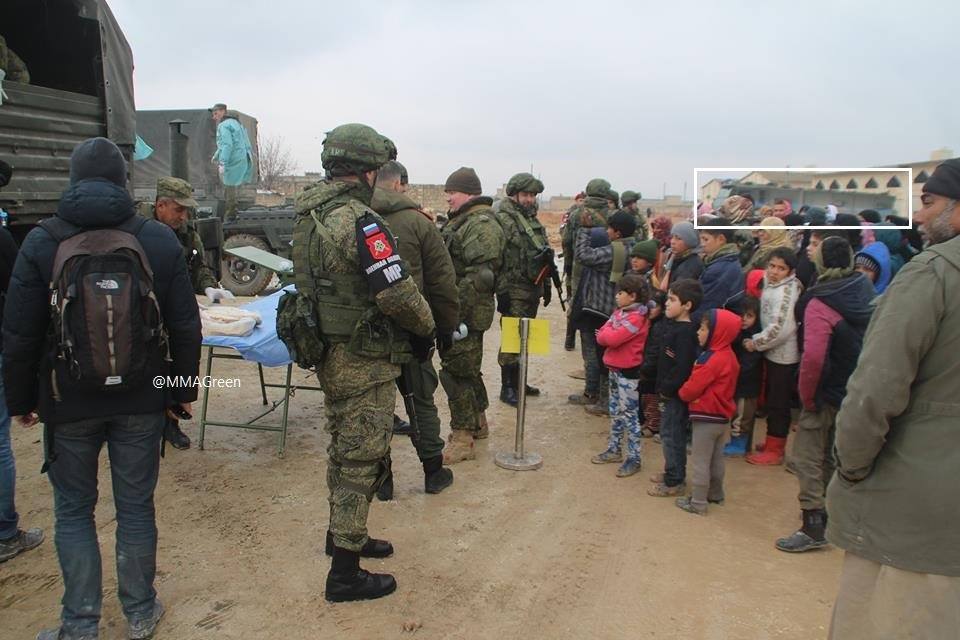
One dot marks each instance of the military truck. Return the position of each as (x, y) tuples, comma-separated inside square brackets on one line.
[(81, 85)]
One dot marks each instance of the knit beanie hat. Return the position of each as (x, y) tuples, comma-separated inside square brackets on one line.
[(816, 216), (686, 232), (464, 180), (98, 158), (945, 180), (623, 222), (867, 262), (646, 249)]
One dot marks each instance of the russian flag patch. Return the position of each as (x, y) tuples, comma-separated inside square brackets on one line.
[(371, 229)]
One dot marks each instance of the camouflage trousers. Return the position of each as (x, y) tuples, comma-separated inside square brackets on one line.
[(624, 407), (525, 307), (360, 429), (462, 379), (230, 207)]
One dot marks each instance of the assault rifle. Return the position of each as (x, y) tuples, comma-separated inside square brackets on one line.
[(545, 258)]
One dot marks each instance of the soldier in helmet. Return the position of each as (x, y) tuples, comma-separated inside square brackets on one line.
[(172, 207), (362, 315), (475, 242), (613, 200), (522, 282), (630, 203), (421, 247)]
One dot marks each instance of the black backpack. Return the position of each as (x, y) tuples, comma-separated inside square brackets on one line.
[(106, 326)]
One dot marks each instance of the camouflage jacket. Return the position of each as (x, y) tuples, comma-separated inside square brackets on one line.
[(475, 242), (524, 240), (421, 247), (12, 65), (201, 276), (338, 207)]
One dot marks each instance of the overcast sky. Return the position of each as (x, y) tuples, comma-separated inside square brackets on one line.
[(637, 92)]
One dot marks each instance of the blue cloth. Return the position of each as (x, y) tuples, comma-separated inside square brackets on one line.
[(133, 445), (141, 150), (234, 152), (263, 345), (8, 474), (881, 255)]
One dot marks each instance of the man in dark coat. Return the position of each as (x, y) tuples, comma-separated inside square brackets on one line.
[(80, 422)]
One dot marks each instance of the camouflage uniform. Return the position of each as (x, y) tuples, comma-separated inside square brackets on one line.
[(201, 276), (12, 65), (628, 198), (475, 242), (525, 250)]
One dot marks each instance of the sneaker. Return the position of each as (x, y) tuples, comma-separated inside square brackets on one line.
[(607, 456), (145, 627), (22, 541), (628, 468), (597, 409), (662, 490), (687, 504), (582, 399), (578, 375)]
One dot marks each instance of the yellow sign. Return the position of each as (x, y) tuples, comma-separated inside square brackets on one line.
[(538, 340)]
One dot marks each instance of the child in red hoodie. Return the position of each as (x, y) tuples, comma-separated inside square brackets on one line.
[(624, 336), (709, 392)]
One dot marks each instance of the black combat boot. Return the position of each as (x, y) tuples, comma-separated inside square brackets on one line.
[(436, 477), (347, 582), (810, 536), (372, 549), (508, 384)]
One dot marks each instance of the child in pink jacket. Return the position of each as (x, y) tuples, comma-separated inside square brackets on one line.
[(624, 335)]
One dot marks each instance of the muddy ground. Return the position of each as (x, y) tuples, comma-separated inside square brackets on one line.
[(569, 551)]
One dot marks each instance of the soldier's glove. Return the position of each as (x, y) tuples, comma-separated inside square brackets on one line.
[(460, 333), (216, 295), (503, 304), (444, 341), (422, 347), (544, 257), (547, 293)]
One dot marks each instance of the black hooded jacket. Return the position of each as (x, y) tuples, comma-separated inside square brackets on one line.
[(27, 356), (852, 298)]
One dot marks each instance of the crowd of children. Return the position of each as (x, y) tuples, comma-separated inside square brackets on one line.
[(706, 337)]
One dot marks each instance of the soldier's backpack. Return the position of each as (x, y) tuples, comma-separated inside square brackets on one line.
[(106, 328)]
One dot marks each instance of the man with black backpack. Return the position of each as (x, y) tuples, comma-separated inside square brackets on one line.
[(99, 311)]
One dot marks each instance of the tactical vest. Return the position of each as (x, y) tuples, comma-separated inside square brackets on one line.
[(332, 308), (520, 258)]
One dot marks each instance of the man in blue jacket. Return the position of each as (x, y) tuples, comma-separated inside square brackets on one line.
[(722, 277), (79, 422), (234, 156)]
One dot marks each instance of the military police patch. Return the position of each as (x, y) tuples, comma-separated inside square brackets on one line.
[(379, 259)]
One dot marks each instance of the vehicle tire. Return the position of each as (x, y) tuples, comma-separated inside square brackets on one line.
[(240, 277)]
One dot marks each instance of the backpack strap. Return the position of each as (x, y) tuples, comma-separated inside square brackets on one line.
[(59, 229)]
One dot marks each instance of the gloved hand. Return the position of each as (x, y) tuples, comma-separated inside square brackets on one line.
[(422, 347), (547, 293), (503, 304), (216, 295), (444, 341)]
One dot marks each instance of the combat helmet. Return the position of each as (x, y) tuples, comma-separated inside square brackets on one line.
[(351, 149), (524, 182), (597, 188)]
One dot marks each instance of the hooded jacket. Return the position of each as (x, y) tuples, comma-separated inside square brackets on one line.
[(723, 284), (881, 255), (709, 390), (835, 317), (624, 335), (27, 357), (894, 500)]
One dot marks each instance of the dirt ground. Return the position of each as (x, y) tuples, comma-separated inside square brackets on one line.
[(568, 551)]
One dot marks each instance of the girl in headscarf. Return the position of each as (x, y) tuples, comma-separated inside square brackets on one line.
[(770, 238), (737, 209), (661, 227)]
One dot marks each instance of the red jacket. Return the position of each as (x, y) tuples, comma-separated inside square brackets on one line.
[(624, 335), (710, 388)]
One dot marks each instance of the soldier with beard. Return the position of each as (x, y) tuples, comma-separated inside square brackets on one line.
[(522, 282)]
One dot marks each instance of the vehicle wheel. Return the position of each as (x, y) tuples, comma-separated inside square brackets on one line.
[(240, 277)]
